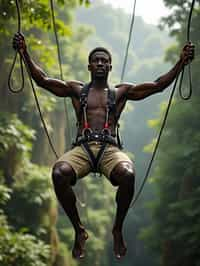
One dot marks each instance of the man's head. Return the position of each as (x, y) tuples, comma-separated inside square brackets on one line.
[(99, 60), (100, 49)]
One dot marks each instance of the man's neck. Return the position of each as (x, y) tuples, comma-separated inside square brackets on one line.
[(99, 83)]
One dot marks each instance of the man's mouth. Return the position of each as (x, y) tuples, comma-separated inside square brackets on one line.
[(100, 71)]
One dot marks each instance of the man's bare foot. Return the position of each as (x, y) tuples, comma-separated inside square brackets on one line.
[(78, 251), (119, 244)]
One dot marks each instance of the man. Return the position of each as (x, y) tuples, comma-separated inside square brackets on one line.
[(98, 109)]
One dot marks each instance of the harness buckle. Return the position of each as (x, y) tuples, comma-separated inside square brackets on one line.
[(106, 132), (86, 132)]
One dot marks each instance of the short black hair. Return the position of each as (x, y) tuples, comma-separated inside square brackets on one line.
[(99, 49)]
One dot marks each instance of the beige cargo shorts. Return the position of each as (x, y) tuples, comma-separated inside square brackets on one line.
[(78, 159)]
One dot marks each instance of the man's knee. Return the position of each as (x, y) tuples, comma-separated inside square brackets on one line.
[(123, 174), (63, 174)]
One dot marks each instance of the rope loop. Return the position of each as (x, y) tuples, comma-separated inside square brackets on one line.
[(23, 60), (10, 87)]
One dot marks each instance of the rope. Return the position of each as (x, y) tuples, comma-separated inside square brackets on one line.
[(15, 59), (39, 109), (22, 59), (157, 144), (167, 111), (60, 63), (187, 97), (129, 41)]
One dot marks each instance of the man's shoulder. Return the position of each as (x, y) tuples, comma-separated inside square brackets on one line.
[(75, 83), (121, 89), (125, 85)]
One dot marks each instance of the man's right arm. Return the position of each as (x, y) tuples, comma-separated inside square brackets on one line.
[(57, 87)]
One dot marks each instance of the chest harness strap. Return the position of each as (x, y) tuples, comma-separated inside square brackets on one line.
[(88, 134)]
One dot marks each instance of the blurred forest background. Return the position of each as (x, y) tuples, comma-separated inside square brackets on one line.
[(163, 228)]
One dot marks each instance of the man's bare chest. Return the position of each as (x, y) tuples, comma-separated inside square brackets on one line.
[(97, 99)]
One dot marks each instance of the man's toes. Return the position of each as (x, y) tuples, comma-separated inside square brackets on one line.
[(78, 254), (118, 256), (120, 252)]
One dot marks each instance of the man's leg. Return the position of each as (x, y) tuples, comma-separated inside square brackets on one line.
[(63, 177), (122, 176)]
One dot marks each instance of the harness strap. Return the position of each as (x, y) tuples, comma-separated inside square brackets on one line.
[(94, 161), (83, 102), (90, 155), (119, 140), (88, 135)]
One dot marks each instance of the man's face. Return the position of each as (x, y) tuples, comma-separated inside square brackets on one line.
[(100, 64)]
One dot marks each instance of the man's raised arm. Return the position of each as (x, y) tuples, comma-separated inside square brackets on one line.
[(57, 87), (144, 90)]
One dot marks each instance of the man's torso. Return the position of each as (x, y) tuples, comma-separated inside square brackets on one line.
[(97, 100)]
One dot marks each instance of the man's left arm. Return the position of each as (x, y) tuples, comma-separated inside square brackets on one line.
[(144, 90)]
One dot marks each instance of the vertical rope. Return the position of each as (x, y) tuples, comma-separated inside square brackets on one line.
[(60, 68), (22, 59), (129, 41), (167, 112)]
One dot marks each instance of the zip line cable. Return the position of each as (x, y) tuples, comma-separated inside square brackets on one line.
[(167, 110), (22, 59), (129, 41)]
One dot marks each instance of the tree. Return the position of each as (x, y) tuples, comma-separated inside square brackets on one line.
[(173, 235)]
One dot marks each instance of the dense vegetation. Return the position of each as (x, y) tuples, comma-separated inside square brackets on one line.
[(34, 230), (174, 233), (28, 215)]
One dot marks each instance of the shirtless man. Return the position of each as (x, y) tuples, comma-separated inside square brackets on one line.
[(96, 121)]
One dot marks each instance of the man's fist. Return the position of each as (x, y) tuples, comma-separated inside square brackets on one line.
[(19, 42), (187, 54)]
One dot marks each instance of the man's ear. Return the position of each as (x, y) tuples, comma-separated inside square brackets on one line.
[(89, 67), (110, 67)]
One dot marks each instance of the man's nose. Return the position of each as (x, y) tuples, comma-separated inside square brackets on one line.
[(99, 62)]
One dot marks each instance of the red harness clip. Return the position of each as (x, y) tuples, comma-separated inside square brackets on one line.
[(106, 125), (86, 125)]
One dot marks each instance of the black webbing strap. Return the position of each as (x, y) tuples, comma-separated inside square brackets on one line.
[(94, 161), (111, 101), (83, 99), (100, 155), (112, 106)]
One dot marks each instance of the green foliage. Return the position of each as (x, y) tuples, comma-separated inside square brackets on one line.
[(175, 229), (21, 249), (4, 194), (18, 248), (15, 137), (28, 204), (31, 191), (30, 201)]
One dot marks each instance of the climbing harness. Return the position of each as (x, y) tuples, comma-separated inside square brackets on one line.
[(168, 107), (88, 135)]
